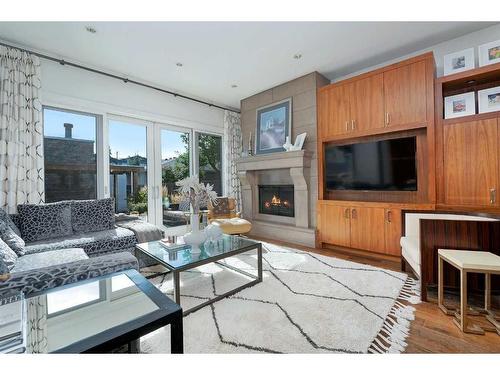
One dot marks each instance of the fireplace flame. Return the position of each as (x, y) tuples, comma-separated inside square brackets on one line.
[(275, 200)]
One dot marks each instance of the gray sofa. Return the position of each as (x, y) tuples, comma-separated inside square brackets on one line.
[(58, 243)]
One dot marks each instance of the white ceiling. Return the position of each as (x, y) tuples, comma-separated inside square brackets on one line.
[(253, 55)]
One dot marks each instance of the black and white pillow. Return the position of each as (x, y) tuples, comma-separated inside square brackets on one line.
[(10, 234), (44, 221), (93, 215), (8, 258)]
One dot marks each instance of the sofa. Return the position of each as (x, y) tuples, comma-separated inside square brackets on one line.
[(58, 243), (410, 242)]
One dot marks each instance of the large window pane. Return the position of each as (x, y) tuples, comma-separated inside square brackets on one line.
[(70, 155), (210, 160), (174, 167), (128, 167)]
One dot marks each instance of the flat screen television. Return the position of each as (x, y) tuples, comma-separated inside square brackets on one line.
[(382, 165)]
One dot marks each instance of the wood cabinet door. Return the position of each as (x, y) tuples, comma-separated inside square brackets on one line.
[(471, 163), (367, 103), (337, 117), (335, 225), (393, 228), (367, 229), (405, 95)]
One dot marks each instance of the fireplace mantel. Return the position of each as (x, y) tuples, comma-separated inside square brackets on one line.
[(277, 160), (298, 164)]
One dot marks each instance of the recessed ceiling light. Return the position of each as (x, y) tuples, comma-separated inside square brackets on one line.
[(471, 81), (90, 29), (179, 64), (234, 86), (297, 56)]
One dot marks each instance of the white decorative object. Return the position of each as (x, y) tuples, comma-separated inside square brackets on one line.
[(197, 194), (287, 146), (459, 61), (299, 142), (489, 53), (489, 100), (459, 105), (213, 232)]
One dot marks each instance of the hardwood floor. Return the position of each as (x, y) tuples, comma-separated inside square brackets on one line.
[(431, 331)]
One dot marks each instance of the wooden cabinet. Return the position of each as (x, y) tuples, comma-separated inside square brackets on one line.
[(333, 111), (393, 229), (405, 95), (366, 103), (335, 225), (376, 229), (367, 231), (471, 153)]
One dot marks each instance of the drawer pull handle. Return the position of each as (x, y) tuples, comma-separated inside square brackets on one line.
[(493, 196)]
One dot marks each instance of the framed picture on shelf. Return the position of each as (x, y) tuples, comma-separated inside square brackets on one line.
[(460, 105), (489, 100), (489, 53), (273, 126), (459, 61)]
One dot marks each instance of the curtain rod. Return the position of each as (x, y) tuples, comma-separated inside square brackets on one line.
[(123, 79)]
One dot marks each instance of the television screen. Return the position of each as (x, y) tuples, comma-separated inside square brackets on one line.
[(382, 165)]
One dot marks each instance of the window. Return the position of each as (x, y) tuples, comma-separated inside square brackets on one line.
[(70, 154), (209, 155), (128, 166)]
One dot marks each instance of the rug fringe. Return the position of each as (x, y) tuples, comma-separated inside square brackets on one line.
[(393, 334)]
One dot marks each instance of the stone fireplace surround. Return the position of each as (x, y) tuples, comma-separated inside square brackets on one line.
[(281, 168)]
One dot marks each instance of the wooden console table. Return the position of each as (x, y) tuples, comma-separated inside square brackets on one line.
[(469, 262)]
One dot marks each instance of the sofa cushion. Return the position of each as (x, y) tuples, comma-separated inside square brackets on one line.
[(92, 215), (44, 221), (8, 257), (10, 237), (93, 243), (48, 259), (4, 216)]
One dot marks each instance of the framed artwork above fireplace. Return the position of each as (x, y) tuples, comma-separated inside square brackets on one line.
[(273, 126)]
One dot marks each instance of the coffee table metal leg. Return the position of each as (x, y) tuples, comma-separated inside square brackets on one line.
[(259, 262), (463, 300), (176, 336), (177, 287)]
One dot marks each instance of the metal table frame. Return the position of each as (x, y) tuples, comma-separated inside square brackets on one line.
[(214, 259)]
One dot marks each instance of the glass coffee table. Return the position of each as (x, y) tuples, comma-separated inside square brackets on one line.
[(97, 315), (180, 257)]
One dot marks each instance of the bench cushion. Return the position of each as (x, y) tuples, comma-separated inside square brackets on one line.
[(410, 250), (233, 226), (94, 243), (48, 258)]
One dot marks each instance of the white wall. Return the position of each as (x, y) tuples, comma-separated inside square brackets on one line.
[(454, 45), (78, 89)]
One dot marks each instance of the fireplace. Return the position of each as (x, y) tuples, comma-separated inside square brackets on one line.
[(276, 200)]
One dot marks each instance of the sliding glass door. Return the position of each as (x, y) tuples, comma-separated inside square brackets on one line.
[(208, 154), (128, 165), (175, 165)]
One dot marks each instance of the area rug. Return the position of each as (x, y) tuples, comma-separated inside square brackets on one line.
[(307, 303)]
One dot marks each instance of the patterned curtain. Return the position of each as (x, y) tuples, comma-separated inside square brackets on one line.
[(234, 146), (21, 136), (36, 325)]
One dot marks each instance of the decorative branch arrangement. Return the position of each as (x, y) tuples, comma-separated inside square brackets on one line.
[(197, 193)]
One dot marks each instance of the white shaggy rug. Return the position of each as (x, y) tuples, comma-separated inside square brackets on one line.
[(307, 303)]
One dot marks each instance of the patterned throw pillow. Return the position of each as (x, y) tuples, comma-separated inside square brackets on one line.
[(4, 216), (8, 258), (93, 215), (221, 208), (44, 221), (11, 238)]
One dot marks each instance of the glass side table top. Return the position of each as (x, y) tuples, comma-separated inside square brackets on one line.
[(61, 317), (180, 255)]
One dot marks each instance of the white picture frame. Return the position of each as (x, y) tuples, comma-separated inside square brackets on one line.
[(460, 105), (489, 53), (460, 61), (489, 100), (299, 142)]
